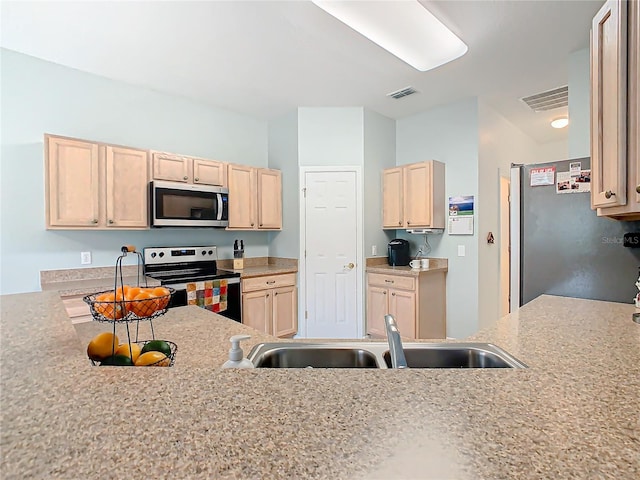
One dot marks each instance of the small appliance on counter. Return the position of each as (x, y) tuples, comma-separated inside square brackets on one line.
[(398, 253)]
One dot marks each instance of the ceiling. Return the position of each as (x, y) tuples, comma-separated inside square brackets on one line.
[(266, 58)]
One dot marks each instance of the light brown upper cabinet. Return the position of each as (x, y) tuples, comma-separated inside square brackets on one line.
[(180, 168), (413, 196), (615, 60), (255, 198), (91, 185)]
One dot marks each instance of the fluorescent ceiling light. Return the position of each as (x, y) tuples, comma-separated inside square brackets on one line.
[(404, 28), (560, 122)]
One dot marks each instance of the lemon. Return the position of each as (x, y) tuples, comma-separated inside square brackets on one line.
[(102, 346), (155, 359), (130, 350)]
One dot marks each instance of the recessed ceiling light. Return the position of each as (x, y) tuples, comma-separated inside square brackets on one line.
[(560, 122), (405, 29)]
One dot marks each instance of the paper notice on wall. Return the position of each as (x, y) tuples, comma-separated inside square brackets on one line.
[(461, 215), (542, 176), (567, 182), (575, 168)]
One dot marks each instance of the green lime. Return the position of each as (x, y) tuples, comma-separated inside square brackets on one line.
[(157, 346), (118, 360)]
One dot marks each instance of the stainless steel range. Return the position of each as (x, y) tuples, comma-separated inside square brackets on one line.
[(193, 272)]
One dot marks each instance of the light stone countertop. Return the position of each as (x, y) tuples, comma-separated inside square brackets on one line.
[(573, 414), (380, 265)]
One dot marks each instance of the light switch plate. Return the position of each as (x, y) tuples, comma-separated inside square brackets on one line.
[(461, 251), (374, 250), (85, 258)]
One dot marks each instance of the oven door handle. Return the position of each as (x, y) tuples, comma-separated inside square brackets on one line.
[(183, 286)]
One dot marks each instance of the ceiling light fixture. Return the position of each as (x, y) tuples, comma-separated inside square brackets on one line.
[(406, 29), (560, 122)]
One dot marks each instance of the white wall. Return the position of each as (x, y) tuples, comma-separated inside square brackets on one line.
[(40, 97), (501, 143), (449, 134), (283, 155), (379, 153), (579, 104), (552, 151)]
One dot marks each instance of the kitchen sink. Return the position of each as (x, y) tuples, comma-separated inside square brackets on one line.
[(363, 354), (313, 356), (454, 356)]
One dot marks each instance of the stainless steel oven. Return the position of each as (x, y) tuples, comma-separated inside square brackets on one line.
[(194, 274), (174, 204)]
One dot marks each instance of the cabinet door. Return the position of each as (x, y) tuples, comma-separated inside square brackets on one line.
[(242, 196), (209, 172), (402, 305), (608, 105), (417, 187), (256, 310), (377, 308), (285, 311), (127, 176), (392, 198), (170, 167), (73, 183), (633, 98), (269, 199)]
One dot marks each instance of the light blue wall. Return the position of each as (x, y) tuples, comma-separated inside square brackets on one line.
[(283, 155), (579, 104), (449, 134), (40, 97), (379, 153), (330, 136)]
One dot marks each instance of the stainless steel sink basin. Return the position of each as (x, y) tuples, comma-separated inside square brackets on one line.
[(456, 356), (376, 355), (313, 356)]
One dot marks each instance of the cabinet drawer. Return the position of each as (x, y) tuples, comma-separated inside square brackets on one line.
[(271, 281), (395, 281)]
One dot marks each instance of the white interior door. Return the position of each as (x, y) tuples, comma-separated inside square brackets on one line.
[(331, 269)]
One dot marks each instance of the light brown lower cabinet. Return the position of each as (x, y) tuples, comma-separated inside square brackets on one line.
[(270, 304), (418, 303)]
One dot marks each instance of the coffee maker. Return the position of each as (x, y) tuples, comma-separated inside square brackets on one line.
[(398, 252)]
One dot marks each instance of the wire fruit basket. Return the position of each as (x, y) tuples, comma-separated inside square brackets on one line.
[(126, 304)]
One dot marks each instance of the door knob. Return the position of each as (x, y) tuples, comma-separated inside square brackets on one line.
[(350, 265), (638, 189)]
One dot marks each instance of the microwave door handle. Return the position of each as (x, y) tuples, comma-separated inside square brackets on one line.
[(219, 198)]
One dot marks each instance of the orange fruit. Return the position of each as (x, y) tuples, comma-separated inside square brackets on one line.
[(131, 293), (154, 359), (164, 296), (144, 304), (106, 305), (131, 350), (102, 346)]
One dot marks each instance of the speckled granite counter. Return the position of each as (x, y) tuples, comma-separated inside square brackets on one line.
[(380, 265), (573, 414), (83, 281), (262, 266)]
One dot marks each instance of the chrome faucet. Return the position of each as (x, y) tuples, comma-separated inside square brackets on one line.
[(396, 351)]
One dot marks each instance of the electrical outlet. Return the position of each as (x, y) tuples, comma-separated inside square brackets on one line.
[(374, 250), (85, 258)]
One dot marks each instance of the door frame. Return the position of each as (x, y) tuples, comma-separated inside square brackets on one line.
[(514, 240), (302, 320)]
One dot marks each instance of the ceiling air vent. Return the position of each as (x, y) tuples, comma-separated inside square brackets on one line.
[(556, 98), (403, 92)]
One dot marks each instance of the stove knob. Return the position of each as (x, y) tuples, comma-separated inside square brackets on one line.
[(210, 252), (161, 254), (204, 252), (153, 255)]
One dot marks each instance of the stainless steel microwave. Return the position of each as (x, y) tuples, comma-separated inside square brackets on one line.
[(174, 204)]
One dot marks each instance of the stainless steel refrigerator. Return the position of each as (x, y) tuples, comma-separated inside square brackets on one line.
[(566, 249)]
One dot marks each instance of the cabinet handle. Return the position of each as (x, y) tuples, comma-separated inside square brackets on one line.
[(267, 294), (94, 221), (271, 282), (393, 294), (408, 222), (185, 178), (260, 224), (252, 224), (609, 194), (388, 281), (275, 294), (384, 293), (110, 222), (399, 223), (638, 189), (196, 179)]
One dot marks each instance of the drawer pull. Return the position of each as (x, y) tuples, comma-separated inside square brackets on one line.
[(638, 189), (393, 294), (271, 282), (609, 194), (389, 281)]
